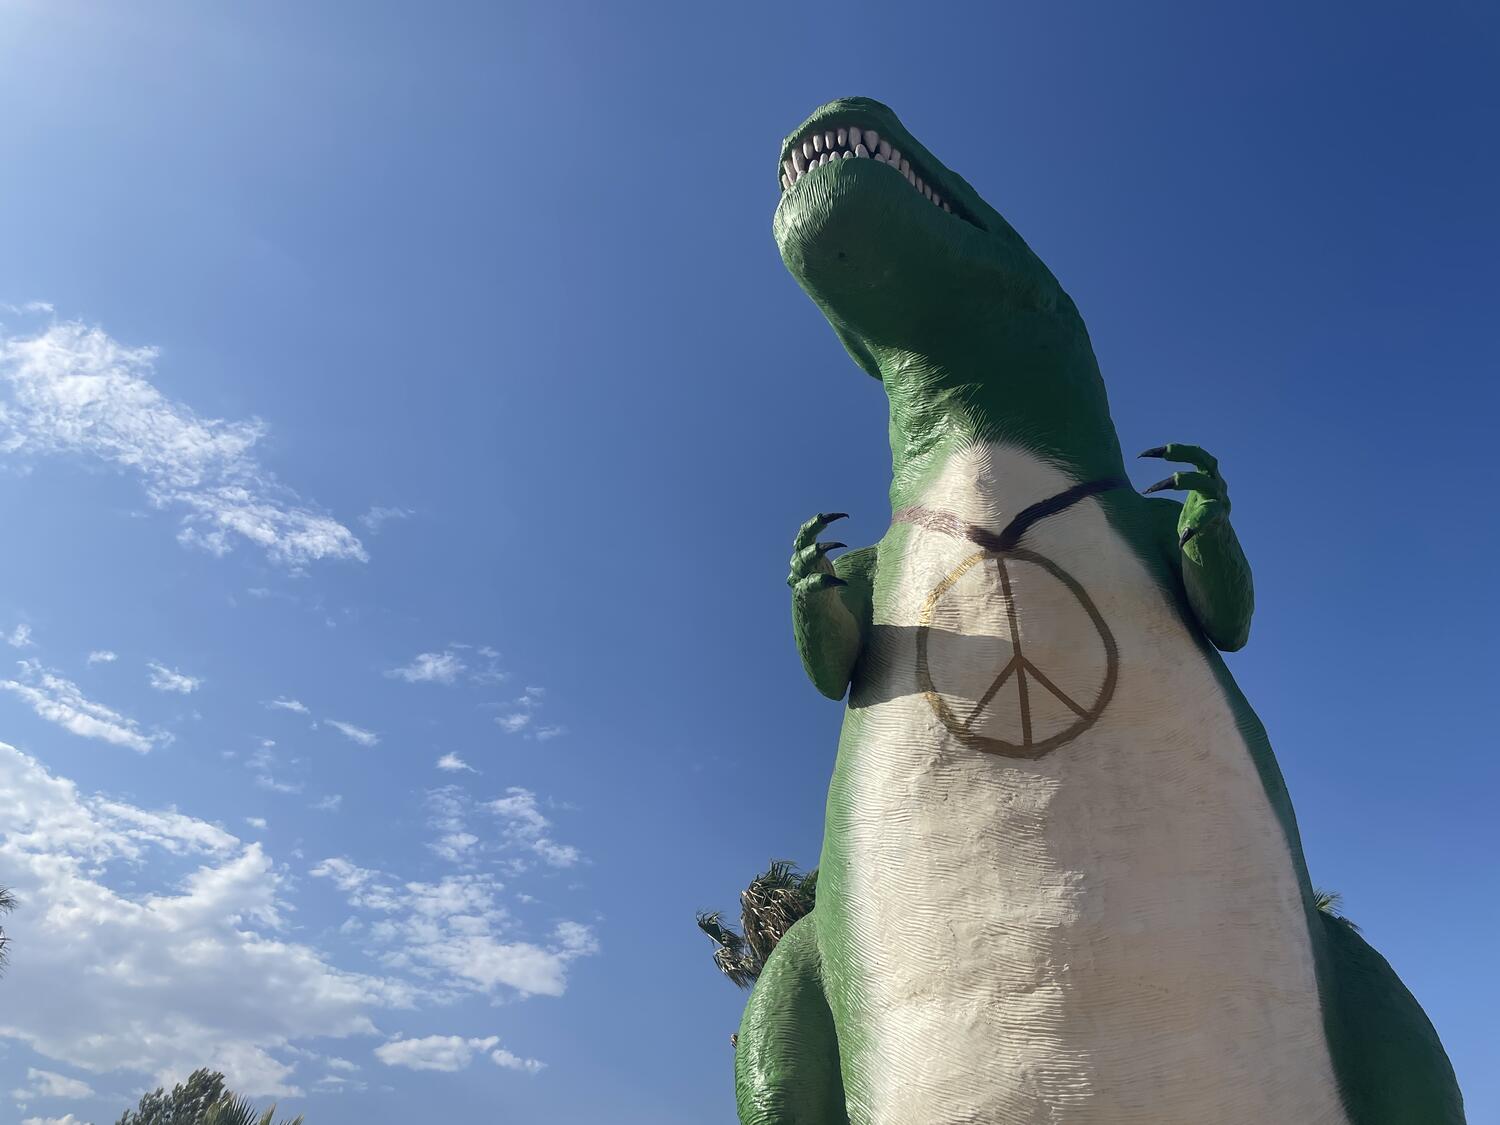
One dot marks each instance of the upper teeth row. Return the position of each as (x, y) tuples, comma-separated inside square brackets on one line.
[(837, 144)]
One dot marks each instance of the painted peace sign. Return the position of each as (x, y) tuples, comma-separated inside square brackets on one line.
[(1040, 734)]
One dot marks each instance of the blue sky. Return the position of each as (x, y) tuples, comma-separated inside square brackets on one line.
[(395, 387)]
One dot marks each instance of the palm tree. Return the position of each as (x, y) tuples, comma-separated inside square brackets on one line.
[(201, 1100), (775, 899), (1330, 903), (7, 904)]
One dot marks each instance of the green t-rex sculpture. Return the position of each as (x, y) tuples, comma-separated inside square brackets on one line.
[(1061, 877)]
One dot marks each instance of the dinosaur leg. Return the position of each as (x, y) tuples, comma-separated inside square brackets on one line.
[(787, 1060), (1392, 1069)]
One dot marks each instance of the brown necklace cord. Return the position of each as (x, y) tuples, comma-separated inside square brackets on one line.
[(1009, 537)]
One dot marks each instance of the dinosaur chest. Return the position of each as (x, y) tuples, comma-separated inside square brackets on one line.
[(1053, 836)]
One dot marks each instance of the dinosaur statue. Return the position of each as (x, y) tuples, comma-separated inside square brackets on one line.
[(1061, 878)]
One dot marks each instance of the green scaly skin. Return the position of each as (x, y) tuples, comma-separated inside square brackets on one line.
[(974, 340)]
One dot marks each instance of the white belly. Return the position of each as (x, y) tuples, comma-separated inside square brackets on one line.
[(1083, 909)]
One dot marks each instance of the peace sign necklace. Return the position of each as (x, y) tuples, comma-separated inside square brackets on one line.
[(1004, 551)]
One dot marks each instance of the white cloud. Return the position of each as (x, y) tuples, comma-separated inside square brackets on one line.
[(169, 679), (60, 701), (454, 933), (65, 1119), (20, 637), (433, 1052), (378, 515), (354, 733), (102, 656), (545, 734), (526, 827), (330, 803), (256, 822), (49, 1084), (504, 1058), (431, 668), (511, 724), (454, 764), (283, 704), (153, 983), (77, 391)]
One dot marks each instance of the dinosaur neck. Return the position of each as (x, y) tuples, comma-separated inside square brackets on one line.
[(939, 403)]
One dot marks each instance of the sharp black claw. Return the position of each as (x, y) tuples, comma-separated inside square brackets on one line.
[(1162, 485), (826, 547), (1154, 451), (829, 517), (1185, 536)]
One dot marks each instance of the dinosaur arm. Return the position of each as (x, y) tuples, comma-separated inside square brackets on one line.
[(830, 607), (1216, 575), (1205, 549)]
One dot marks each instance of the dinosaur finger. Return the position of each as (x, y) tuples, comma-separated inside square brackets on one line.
[(813, 557), (1194, 455), (815, 527), (1208, 486)]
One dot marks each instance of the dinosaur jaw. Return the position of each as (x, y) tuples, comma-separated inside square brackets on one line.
[(860, 129)]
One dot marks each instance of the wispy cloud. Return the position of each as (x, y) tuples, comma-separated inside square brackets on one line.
[(431, 668), (169, 679), (257, 822), (59, 700), (102, 656), (502, 1057), (49, 1084), (521, 717), (454, 764), (454, 933), (433, 1052), (354, 733), (20, 637), (376, 516), (281, 703), (331, 803), (75, 390), (526, 827)]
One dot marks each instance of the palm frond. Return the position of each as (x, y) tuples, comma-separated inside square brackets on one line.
[(1331, 904), (774, 900)]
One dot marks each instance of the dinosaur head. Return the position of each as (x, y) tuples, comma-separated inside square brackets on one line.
[(901, 253)]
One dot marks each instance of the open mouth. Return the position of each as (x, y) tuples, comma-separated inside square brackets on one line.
[(825, 143)]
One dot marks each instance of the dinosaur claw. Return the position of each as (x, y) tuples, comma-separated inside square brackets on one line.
[(1182, 539), (824, 548), (829, 517), (1161, 486), (1154, 451)]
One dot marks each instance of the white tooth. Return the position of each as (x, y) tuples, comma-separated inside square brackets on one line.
[(885, 149), (808, 151), (828, 140), (799, 162), (879, 159), (842, 137), (937, 199), (817, 142), (947, 209), (872, 140), (920, 185), (896, 157), (822, 160), (860, 150), (905, 164), (786, 182), (788, 167)]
